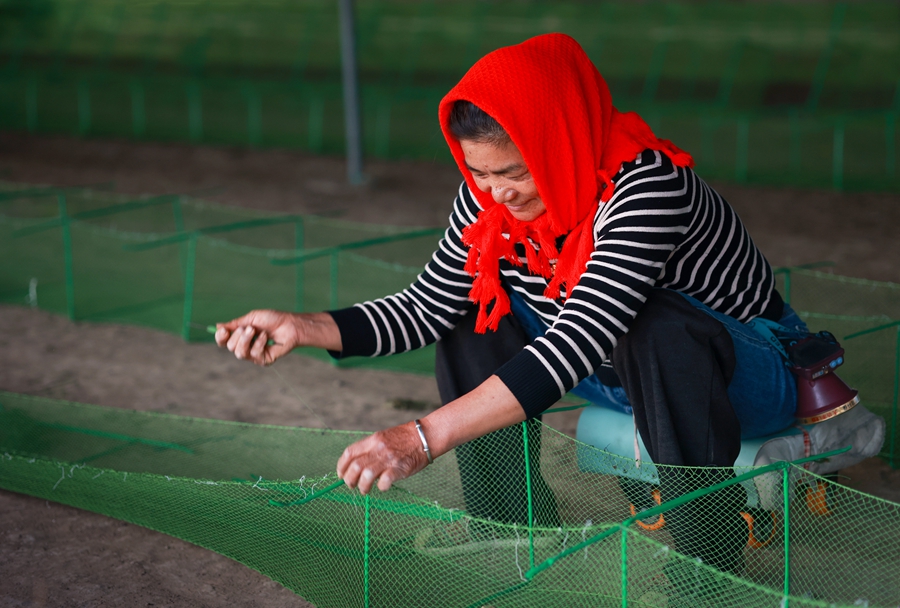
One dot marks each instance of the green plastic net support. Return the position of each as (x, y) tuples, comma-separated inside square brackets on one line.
[(534, 525)]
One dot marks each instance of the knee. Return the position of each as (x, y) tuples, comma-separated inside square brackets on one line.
[(662, 319), (669, 326)]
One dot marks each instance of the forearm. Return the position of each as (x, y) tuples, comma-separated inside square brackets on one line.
[(490, 407), (318, 330)]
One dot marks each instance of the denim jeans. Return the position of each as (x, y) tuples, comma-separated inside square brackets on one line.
[(763, 392)]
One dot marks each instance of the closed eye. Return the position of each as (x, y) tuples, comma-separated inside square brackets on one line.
[(517, 169)]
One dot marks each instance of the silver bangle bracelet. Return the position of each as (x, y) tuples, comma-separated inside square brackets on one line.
[(424, 441)]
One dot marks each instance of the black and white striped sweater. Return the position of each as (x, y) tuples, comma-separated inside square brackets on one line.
[(663, 227)]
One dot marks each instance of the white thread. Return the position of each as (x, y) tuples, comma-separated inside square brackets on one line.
[(63, 469), (98, 474), (7, 455), (521, 574), (31, 461), (257, 482), (206, 483), (663, 551), (125, 476), (565, 539)]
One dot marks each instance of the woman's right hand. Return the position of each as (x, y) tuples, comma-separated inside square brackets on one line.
[(248, 336)]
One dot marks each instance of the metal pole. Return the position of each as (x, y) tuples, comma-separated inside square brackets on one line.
[(352, 121)]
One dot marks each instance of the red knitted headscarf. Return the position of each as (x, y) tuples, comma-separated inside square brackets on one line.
[(557, 110)]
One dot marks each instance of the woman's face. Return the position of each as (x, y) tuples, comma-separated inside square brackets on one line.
[(500, 171)]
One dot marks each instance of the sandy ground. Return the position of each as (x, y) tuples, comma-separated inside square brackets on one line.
[(54, 555)]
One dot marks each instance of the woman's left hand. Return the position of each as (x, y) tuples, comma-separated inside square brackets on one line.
[(388, 456), (397, 453)]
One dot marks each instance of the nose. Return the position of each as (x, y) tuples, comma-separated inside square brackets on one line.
[(503, 194)]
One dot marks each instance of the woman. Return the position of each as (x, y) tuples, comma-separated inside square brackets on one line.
[(582, 250)]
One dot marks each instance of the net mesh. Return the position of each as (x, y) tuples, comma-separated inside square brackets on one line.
[(521, 518)]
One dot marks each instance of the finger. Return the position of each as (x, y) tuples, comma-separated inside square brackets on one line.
[(352, 473), (245, 340), (268, 352), (234, 338), (350, 454), (222, 334), (236, 323), (343, 462), (385, 481), (258, 348), (273, 353), (366, 480)]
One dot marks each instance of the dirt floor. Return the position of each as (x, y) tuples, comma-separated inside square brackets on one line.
[(54, 555)]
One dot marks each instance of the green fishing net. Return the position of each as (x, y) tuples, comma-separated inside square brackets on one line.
[(548, 531), (523, 517)]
